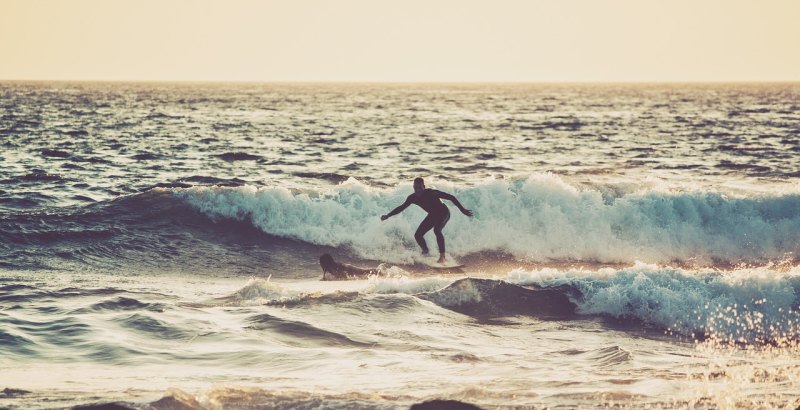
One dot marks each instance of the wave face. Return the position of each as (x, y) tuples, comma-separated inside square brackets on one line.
[(539, 218), (150, 231)]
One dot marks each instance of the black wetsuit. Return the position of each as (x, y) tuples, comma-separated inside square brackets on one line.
[(438, 215)]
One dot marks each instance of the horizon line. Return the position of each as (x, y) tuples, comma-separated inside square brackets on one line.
[(404, 82)]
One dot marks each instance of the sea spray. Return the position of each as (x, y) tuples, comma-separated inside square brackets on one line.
[(754, 305)]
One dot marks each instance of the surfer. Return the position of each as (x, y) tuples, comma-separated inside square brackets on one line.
[(332, 270), (438, 214)]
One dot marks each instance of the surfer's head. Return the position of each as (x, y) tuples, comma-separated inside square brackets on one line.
[(419, 184)]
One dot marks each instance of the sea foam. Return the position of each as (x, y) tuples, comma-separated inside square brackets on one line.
[(740, 306)]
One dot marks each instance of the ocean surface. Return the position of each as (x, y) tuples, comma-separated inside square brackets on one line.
[(632, 245)]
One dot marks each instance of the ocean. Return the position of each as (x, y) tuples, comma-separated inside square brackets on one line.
[(632, 245)]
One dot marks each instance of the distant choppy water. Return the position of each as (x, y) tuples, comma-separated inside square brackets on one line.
[(71, 142), (139, 224)]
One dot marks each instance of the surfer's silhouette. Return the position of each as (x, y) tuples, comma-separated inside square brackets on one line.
[(438, 214)]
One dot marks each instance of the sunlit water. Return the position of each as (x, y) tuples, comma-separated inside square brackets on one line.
[(161, 240)]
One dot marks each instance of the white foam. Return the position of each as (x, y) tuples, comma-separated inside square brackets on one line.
[(539, 218), (743, 305), (407, 285), (260, 291)]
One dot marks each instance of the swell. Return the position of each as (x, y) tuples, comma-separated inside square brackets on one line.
[(152, 230), (70, 325), (487, 297), (749, 306), (298, 333)]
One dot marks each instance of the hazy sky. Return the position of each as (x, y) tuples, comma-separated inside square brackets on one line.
[(401, 40)]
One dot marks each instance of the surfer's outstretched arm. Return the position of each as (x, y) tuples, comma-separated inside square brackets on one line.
[(397, 210), (453, 199)]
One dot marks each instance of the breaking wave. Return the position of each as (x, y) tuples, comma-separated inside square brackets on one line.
[(739, 306), (540, 218)]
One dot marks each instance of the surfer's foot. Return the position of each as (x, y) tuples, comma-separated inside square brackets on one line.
[(441, 259), (425, 253)]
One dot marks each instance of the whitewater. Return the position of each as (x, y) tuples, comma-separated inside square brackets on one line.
[(631, 245)]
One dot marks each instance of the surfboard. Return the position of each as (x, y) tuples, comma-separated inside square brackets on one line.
[(445, 267)]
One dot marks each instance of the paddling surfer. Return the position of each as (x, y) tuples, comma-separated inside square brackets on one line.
[(438, 214)]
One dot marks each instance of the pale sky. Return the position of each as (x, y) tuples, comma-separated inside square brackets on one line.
[(401, 40)]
